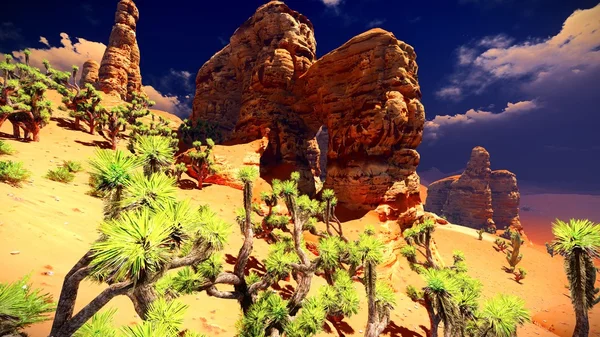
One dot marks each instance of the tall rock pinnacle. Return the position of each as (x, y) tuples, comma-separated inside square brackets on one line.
[(120, 67)]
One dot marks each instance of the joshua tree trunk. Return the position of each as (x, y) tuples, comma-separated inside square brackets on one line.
[(245, 251), (576, 264), (35, 131), (376, 323), (16, 130), (434, 320), (68, 293), (142, 297)]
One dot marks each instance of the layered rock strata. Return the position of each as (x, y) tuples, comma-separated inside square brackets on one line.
[(479, 197), (120, 67), (365, 93)]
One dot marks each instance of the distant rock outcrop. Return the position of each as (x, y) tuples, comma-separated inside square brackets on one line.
[(477, 198), (120, 67), (89, 73), (365, 93)]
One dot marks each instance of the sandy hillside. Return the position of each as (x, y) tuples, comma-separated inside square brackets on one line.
[(51, 226)]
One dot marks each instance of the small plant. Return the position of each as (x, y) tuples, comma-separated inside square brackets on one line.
[(520, 274), (507, 233), (13, 173), (501, 245), (72, 166), (480, 233), (21, 306), (514, 256), (178, 170), (5, 148), (60, 174)]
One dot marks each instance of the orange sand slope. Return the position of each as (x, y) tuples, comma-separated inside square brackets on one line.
[(52, 224)]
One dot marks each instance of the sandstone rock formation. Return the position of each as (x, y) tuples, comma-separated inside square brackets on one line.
[(365, 92), (479, 197), (120, 67), (89, 73)]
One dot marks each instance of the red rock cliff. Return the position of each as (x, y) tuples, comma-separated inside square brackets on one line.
[(366, 93)]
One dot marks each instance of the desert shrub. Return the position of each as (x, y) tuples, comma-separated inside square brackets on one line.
[(13, 172), (72, 166), (21, 306), (5, 148), (60, 174)]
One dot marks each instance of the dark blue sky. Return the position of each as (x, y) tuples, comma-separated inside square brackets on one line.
[(554, 143)]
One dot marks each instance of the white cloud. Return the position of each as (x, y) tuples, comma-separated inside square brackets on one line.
[(573, 51), (331, 3), (451, 93), (375, 23), (440, 125)]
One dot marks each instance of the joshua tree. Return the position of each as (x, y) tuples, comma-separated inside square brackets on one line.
[(111, 171), (514, 256), (161, 128), (437, 298), (202, 159), (421, 235), (111, 123), (84, 105), (155, 153), (578, 241), (501, 245), (480, 233), (139, 107), (501, 316)]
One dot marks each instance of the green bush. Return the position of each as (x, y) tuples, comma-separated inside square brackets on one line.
[(13, 172), (21, 306), (5, 148), (72, 166), (60, 174)]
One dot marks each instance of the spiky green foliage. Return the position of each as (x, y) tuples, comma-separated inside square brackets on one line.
[(409, 252), (13, 172), (146, 329), (247, 174), (138, 107), (178, 170), (269, 310), (100, 325), (309, 321), (135, 245), (421, 235), (110, 172), (154, 152), (111, 123), (153, 191), (84, 105), (21, 305), (340, 298), (60, 174), (6, 148), (578, 241), (502, 315), (72, 166), (168, 315)]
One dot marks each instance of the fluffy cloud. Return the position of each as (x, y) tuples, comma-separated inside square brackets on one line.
[(440, 125), (67, 55), (573, 51), (76, 52)]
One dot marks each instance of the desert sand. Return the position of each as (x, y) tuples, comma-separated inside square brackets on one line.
[(52, 224)]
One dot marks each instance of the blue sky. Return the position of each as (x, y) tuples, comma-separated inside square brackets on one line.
[(520, 78)]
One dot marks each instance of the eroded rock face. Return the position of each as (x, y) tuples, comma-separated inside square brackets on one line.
[(120, 67), (505, 199), (479, 197), (89, 73), (365, 93)]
